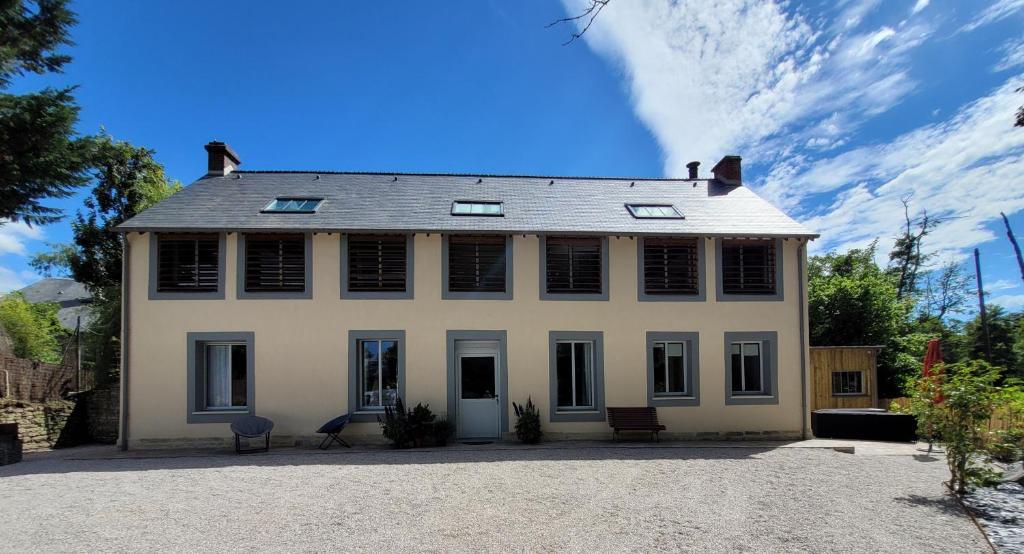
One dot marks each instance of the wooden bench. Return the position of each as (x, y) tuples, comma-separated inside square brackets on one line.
[(634, 419)]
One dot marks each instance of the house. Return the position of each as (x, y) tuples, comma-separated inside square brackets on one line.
[(73, 299), (300, 295)]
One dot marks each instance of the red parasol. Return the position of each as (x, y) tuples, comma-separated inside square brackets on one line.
[(932, 357)]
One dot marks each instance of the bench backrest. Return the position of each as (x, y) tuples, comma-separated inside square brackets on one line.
[(629, 417)]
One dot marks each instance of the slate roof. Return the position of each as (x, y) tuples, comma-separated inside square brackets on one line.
[(72, 296), (388, 202)]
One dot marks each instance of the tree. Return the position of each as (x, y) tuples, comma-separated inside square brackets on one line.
[(40, 155), (1006, 335), (56, 262), (1020, 112), (589, 14), (34, 330), (906, 259), (946, 291)]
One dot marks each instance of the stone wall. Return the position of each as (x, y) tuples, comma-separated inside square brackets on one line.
[(30, 381), (102, 410), (43, 425)]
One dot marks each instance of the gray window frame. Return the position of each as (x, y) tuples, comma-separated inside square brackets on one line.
[(692, 355), (576, 415), (155, 294), (447, 294), (452, 396), (545, 295), (779, 295), (769, 362), (410, 277), (641, 291), (195, 382), (242, 294), (365, 416)]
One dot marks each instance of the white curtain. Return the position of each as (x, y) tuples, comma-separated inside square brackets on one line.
[(218, 376)]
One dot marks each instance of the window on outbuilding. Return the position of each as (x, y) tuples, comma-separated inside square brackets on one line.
[(477, 263), (671, 266), (654, 211), (847, 383), (188, 263), (275, 263), (377, 263), (574, 265), (294, 205), (477, 207), (748, 267)]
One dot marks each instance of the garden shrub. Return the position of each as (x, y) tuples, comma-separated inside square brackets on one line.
[(528, 422), (415, 427)]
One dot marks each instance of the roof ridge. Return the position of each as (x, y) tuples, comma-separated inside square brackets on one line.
[(491, 175)]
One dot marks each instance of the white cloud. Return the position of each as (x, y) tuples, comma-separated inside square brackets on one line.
[(1013, 55), (1001, 284), (999, 10), (14, 234), (919, 5), (11, 280), (1012, 302)]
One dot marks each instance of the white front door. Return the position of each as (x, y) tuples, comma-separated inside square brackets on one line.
[(479, 410)]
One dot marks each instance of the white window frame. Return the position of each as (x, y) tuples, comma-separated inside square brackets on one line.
[(361, 378), (860, 381), (206, 378), (686, 369), (743, 373), (590, 371)]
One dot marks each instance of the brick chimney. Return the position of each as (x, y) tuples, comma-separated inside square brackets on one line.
[(727, 171), (692, 166), (221, 159)]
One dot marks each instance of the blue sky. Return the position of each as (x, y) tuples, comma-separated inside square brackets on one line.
[(840, 109)]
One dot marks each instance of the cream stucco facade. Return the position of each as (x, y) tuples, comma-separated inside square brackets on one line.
[(301, 374)]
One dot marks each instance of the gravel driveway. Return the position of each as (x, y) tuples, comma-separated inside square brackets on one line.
[(565, 498)]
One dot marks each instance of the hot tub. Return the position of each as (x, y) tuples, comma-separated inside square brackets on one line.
[(863, 423)]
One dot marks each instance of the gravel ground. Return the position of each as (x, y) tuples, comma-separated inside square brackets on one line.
[(1000, 510), (575, 499)]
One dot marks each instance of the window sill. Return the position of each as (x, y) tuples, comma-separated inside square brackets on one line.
[(366, 416), (587, 415), (848, 394), (751, 399), (217, 416)]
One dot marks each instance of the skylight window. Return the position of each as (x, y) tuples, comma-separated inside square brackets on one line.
[(654, 211), (294, 205), (474, 207)]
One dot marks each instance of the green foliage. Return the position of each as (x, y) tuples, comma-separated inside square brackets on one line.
[(954, 405), (1006, 335), (528, 422), (442, 430), (35, 332), (30, 36), (56, 262), (411, 428)]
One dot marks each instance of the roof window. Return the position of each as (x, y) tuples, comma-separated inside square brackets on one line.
[(474, 207), (294, 205), (654, 211)]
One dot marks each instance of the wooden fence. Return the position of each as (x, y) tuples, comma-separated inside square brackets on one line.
[(1001, 419)]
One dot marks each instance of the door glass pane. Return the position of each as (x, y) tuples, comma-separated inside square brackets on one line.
[(239, 376), (676, 373), (563, 372), (582, 377), (659, 368), (370, 356), (736, 367), (752, 366), (477, 377), (389, 371)]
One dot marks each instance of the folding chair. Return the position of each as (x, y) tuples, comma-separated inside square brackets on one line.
[(332, 429)]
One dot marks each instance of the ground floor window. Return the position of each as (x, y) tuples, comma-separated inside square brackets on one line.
[(378, 373), (751, 362), (847, 383), (747, 368), (221, 367), (577, 376), (669, 359), (226, 379)]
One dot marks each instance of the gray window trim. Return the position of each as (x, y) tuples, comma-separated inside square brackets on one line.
[(354, 337), (240, 291), (453, 402), (193, 413), (692, 341), (545, 295), (769, 357), (460, 295), (407, 294), (641, 292), (779, 262), (155, 294), (597, 414)]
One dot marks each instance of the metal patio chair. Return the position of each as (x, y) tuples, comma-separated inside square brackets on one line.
[(332, 429), (251, 427)]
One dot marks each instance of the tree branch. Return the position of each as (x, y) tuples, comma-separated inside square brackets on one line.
[(592, 11)]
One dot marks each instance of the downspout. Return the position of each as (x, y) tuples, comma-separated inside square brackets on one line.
[(126, 288), (801, 253)]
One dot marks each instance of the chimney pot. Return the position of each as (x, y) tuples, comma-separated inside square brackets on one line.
[(692, 166), (221, 159), (728, 171)]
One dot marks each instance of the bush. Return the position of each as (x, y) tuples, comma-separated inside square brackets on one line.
[(528, 422), (414, 427)]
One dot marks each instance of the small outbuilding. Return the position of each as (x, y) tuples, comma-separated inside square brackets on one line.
[(844, 377)]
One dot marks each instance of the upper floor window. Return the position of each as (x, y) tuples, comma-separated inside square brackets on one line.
[(188, 263), (654, 211), (671, 266), (748, 267), (275, 263), (294, 205), (477, 266), (574, 267), (474, 207), (377, 266)]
